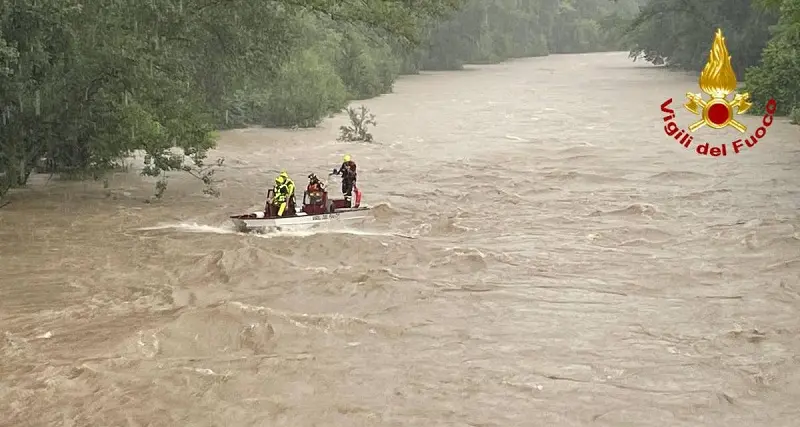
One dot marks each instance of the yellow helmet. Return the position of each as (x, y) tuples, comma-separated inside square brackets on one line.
[(284, 174), (279, 179), (346, 158)]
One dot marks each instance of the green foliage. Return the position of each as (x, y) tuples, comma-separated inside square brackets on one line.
[(777, 74), (679, 32), (306, 90), (485, 31), (367, 67), (360, 120), (592, 26), (99, 81)]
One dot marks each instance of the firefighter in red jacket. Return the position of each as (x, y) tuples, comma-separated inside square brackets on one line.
[(315, 189)]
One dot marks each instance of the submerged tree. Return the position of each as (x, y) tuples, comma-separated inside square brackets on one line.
[(360, 120)]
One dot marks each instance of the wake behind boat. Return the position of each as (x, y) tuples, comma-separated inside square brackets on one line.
[(317, 209)]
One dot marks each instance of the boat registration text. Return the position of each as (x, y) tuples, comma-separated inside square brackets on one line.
[(325, 217)]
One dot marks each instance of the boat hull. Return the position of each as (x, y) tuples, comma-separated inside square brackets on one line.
[(250, 223)]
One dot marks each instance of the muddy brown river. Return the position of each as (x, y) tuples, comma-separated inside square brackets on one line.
[(541, 255)]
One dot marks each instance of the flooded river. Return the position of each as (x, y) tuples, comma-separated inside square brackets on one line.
[(541, 255)]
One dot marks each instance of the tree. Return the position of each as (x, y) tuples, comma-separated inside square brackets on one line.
[(777, 74)]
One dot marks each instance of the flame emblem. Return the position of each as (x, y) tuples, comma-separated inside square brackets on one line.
[(718, 81)]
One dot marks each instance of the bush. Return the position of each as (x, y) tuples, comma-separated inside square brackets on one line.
[(339, 66), (775, 77), (360, 120), (367, 70), (306, 91)]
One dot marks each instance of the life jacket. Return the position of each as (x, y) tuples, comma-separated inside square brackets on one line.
[(285, 189), (314, 187), (348, 170)]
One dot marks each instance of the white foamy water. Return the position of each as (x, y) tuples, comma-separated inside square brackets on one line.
[(300, 232)]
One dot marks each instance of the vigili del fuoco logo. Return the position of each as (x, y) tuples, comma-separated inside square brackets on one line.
[(718, 81)]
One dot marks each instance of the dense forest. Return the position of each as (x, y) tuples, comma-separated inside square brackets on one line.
[(763, 37)]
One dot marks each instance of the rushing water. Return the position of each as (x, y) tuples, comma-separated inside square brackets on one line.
[(541, 254)]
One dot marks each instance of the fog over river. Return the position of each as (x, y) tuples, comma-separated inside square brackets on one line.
[(542, 254)]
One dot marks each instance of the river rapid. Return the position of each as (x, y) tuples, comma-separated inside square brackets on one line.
[(542, 254)]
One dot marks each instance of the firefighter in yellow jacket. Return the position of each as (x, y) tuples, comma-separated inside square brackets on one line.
[(284, 193)]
